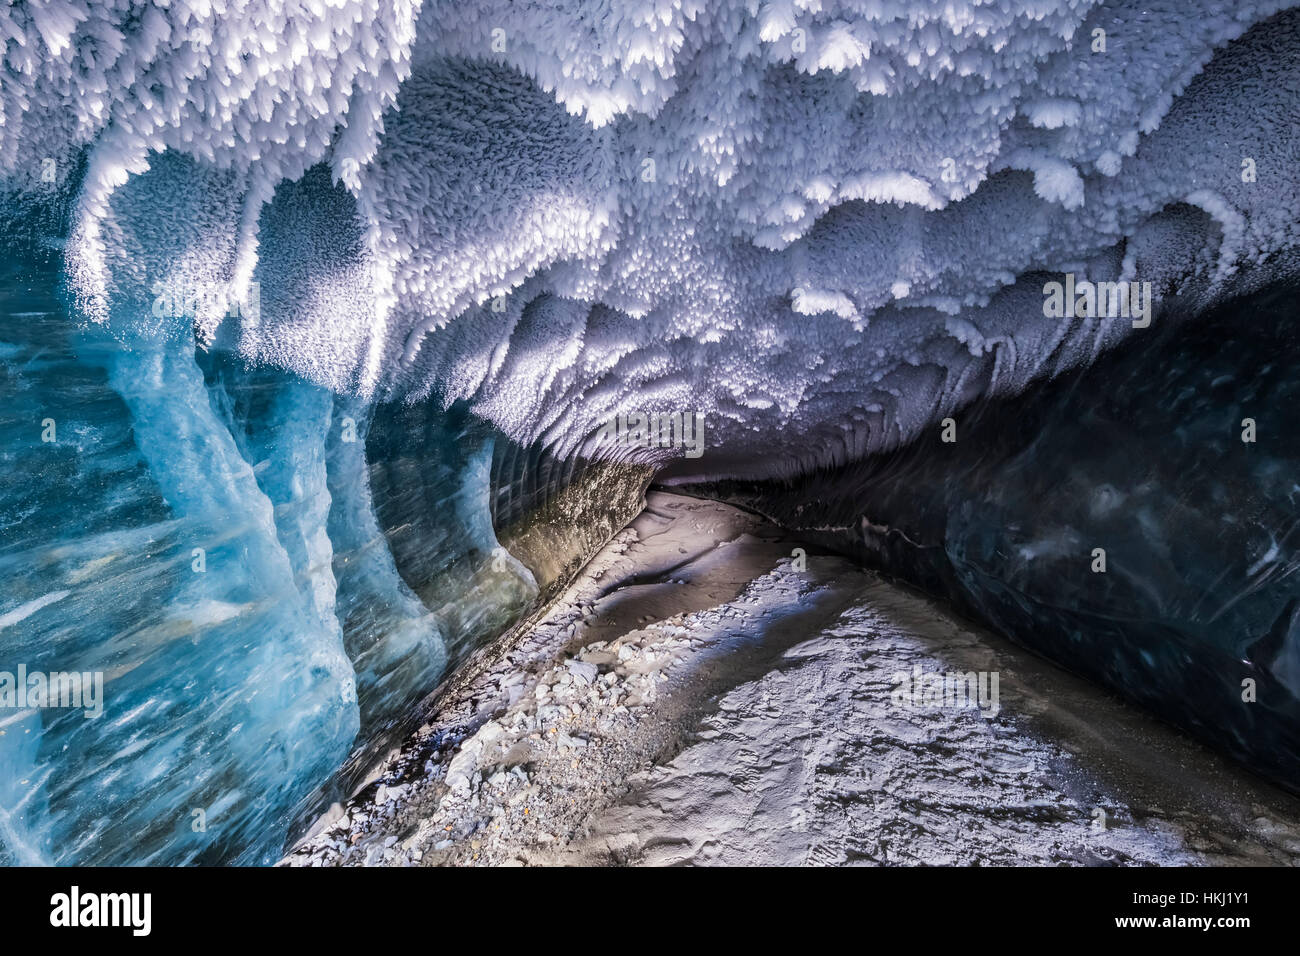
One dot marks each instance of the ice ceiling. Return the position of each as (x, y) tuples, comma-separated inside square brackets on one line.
[(823, 224)]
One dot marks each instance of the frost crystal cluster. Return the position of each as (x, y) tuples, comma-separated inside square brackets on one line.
[(810, 217)]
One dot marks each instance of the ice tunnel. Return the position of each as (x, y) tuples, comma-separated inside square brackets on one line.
[(337, 339)]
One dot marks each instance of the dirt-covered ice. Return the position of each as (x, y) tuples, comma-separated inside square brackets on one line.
[(710, 691)]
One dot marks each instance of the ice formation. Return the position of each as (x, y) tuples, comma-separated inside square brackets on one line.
[(428, 249), (1127, 520), (650, 197)]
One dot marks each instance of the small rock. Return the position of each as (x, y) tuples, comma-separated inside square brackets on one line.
[(582, 671)]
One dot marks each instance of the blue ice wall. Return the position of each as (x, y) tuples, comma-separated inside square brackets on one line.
[(264, 604)]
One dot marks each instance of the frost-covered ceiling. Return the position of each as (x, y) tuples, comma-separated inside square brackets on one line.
[(823, 224)]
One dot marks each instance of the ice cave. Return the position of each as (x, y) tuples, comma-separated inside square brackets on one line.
[(649, 431)]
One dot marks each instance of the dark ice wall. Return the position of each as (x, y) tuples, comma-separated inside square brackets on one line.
[(1177, 462)]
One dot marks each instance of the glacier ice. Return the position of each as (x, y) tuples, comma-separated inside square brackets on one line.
[(476, 232), (1140, 461), (211, 537), (693, 180)]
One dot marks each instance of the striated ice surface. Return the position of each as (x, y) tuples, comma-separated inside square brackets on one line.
[(208, 540)]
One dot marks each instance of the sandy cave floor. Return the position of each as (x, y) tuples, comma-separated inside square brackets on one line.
[(694, 698)]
